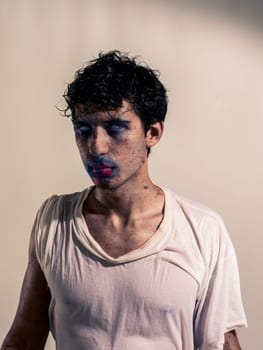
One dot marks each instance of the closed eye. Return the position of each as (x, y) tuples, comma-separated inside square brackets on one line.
[(82, 129), (117, 126)]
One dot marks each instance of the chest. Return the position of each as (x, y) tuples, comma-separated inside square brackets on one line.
[(149, 289), (117, 240)]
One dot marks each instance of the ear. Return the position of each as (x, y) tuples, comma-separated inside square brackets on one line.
[(154, 133)]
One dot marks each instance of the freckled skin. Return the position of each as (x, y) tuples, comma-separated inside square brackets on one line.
[(128, 218), (127, 149)]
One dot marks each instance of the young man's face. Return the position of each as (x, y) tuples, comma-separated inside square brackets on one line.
[(112, 145)]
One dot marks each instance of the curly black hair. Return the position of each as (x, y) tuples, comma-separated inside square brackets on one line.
[(113, 77)]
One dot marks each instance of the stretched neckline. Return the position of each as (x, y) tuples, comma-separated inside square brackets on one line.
[(153, 244)]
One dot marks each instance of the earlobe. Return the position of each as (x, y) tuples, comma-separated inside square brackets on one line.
[(154, 134)]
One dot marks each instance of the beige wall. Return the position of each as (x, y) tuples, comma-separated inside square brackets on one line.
[(212, 148)]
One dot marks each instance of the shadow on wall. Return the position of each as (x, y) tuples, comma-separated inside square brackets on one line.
[(248, 11)]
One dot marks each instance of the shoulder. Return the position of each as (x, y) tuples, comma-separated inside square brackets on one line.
[(55, 213), (57, 207), (199, 212), (194, 209), (206, 224)]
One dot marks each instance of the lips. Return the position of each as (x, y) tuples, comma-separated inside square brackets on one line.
[(102, 170)]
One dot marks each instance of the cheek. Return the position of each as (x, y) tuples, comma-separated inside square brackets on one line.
[(136, 153)]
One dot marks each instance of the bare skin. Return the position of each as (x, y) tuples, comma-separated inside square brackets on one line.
[(117, 139), (119, 212), (231, 341), (118, 234)]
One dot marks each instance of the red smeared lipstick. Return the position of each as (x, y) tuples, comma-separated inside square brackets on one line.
[(102, 170)]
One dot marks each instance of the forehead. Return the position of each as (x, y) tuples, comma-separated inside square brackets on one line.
[(94, 112)]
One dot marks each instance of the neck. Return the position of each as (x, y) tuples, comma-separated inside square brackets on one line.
[(125, 201)]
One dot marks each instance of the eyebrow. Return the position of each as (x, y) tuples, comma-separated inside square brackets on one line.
[(118, 121), (112, 119)]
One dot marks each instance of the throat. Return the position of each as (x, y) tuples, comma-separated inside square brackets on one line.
[(118, 240), (125, 204), (119, 231)]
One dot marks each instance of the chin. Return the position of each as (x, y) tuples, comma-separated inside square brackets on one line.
[(108, 184), (104, 183)]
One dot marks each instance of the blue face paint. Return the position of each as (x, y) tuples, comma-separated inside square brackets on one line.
[(114, 127), (101, 169), (82, 129)]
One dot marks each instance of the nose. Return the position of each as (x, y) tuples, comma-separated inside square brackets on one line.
[(99, 142)]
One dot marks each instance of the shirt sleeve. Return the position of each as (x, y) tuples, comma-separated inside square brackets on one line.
[(220, 307), (42, 226)]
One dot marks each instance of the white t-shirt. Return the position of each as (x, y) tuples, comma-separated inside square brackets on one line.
[(179, 291)]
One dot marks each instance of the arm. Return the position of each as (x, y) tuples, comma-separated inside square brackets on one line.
[(231, 341), (30, 327)]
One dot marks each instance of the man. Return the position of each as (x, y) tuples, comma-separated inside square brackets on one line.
[(125, 264)]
